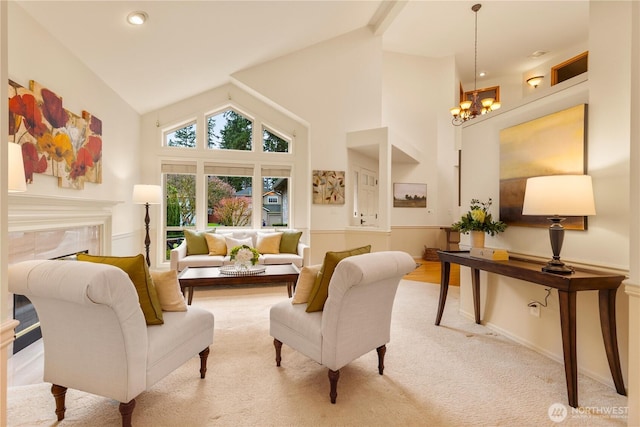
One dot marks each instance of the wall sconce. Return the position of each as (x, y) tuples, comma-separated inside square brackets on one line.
[(147, 195), (535, 81), (555, 195), (15, 164)]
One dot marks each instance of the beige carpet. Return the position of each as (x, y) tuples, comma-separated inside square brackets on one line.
[(458, 374)]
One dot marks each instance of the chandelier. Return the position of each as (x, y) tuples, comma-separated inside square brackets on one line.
[(471, 108)]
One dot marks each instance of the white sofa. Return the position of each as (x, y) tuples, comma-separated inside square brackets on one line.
[(179, 260), (95, 335)]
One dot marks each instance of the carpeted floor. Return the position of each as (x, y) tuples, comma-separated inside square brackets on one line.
[(458, 374)]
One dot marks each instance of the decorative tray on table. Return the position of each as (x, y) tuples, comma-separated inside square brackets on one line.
[(233, 270)]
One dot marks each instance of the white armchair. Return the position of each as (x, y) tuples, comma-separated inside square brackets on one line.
[(95, 335), (356, 317)]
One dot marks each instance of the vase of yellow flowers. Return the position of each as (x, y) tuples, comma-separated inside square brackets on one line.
[(244, 257), (478, 222)]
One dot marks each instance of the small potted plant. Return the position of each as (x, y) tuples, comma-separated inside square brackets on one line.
[(479, 221)]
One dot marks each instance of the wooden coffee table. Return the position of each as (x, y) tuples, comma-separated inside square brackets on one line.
[(192, 277)]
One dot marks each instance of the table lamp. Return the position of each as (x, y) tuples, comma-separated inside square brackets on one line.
[(15, 165), (147, 195), (558, 196)]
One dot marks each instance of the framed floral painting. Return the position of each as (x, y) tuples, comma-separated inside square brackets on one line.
[(54, 141), (328, 187)]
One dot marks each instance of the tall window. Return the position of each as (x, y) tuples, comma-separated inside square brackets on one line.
[(275, 196), (180, 192), (184, 136), (229, 130)]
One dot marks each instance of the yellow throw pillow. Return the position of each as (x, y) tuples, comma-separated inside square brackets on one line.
[(306, 279), (268, 243), (232, 243), (320, 290), (168, 289), (136, 268), (216, 243)]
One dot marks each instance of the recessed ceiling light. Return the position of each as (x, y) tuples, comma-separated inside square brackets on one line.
[(137, 18), (538, 53), (482, 74)]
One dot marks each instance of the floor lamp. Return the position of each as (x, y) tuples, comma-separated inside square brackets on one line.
[(558, 196), (147, 195)]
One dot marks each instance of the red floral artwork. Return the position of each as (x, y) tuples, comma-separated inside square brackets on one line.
[(54, 141), (32, 163)]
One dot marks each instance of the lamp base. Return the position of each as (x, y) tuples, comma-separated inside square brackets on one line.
[(556, 266)]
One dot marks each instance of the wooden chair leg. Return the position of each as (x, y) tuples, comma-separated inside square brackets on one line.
[(126, 409), (59, 394), (381, 352), (333, 381), (278, 345), (204, 354)]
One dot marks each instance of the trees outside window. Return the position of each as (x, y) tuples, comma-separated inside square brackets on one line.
[(272, 143), (229, 130), (229, 201), (180, 193), (184, 137)]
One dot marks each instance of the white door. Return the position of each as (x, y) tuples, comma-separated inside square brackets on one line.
[(367, 198)]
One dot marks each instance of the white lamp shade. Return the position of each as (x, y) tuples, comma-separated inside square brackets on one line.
[(151, 194), (17, 181), (563, 195)]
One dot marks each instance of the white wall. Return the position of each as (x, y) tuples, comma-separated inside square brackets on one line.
[(606, 242), (35, 55), (417, 94), (335, 87)]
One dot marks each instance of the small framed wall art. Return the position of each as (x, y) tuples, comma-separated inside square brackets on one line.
[(406, 195), (328, 187)]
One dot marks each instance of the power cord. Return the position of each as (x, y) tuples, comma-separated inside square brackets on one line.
[(546, 299)]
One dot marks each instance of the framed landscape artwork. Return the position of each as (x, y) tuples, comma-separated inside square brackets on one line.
[(409, 195), (551, 145)]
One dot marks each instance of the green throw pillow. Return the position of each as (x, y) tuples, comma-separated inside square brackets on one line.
[(289, 242), (196, 242), (136, 268), (320, 290)]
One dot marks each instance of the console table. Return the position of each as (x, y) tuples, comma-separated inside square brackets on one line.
[(567, 286)]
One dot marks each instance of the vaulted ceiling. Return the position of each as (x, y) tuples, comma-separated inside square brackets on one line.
[(187, 47)]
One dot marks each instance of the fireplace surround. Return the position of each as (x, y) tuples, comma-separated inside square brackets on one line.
[(44, 227)]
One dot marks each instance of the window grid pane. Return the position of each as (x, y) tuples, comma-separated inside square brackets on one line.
[(275, 202), (272, 143), (229, 202), (229, 130), (184, 137)]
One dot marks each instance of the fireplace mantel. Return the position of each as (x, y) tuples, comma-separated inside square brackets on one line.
[(27, 212)]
